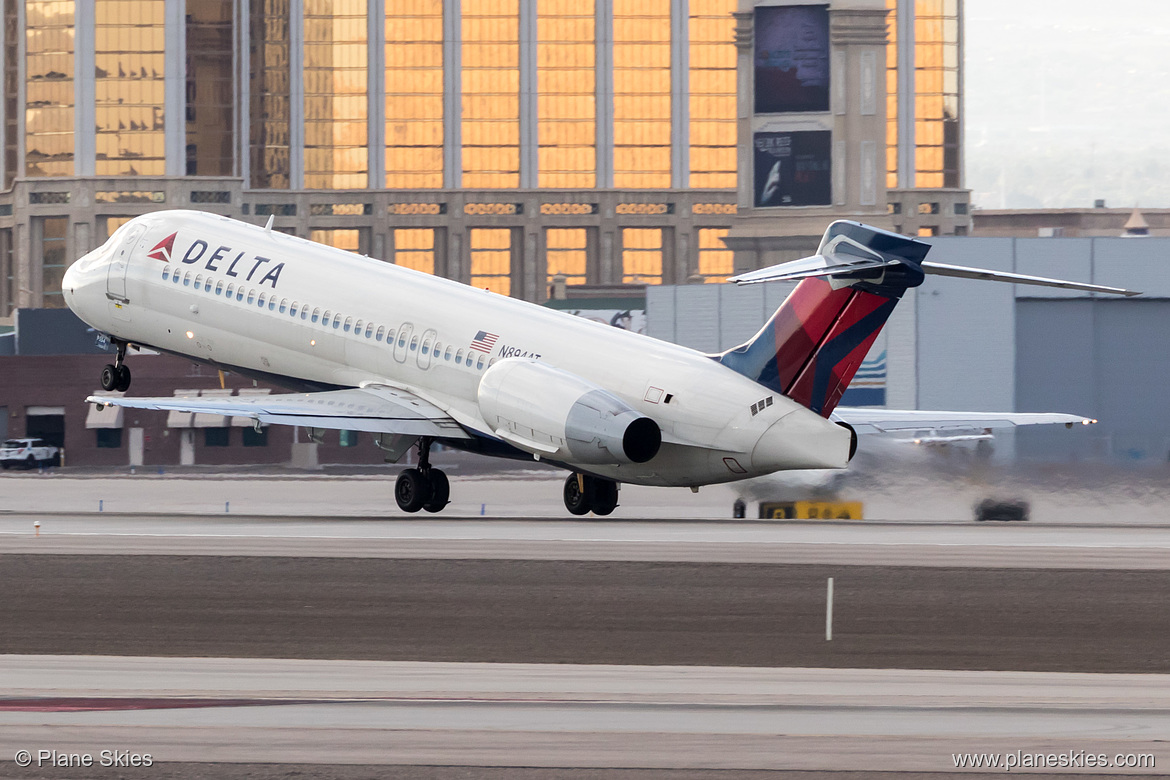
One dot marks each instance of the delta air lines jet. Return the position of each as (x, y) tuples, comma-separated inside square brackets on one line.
[(415, 359)]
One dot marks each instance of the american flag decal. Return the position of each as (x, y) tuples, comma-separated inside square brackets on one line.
[(484, 342)]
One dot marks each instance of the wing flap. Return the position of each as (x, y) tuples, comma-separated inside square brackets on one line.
[(374, 408), (865, 420)]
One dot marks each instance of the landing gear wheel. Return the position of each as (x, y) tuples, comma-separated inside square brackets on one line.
[(578, 501), (605, 496), (440, 491), (123, 379), (412, 491), (110, 377)]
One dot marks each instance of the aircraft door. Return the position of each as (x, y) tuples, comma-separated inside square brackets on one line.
[(120, 263), (402, 345)]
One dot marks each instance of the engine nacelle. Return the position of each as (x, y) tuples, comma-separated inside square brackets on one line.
[(558, 415)]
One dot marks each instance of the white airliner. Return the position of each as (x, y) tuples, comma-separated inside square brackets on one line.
[(415, 359)]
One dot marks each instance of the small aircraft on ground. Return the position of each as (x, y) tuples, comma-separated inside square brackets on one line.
[(416, 359)]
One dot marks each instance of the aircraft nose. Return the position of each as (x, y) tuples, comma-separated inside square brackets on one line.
[(84, 279)]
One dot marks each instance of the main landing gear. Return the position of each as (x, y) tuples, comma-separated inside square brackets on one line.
[(423, 487), (116, 375), (585, 494)]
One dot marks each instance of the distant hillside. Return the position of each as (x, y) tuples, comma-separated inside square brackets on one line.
[(1067, 102)]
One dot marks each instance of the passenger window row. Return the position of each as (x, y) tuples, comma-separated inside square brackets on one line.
[(468, 358)]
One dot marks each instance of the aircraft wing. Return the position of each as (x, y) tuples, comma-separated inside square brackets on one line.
[(867, 420), (375, 408)]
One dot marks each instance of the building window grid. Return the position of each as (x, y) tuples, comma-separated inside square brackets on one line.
[(414, 94), (348, 239), (336, 110), (7, 268), (491, 94), (129, 54), (566, 254), (53, 260), (11, 92), (642, 255), (712, 94), (716, 261), (48, 88), (566, 86), (491, 259), (936, 77), (269, 100), (642, 89), (415, 248), (892, 94), (210, 91)]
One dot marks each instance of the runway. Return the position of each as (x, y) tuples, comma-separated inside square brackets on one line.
[(949, 544), (304, 644), (531, 715)]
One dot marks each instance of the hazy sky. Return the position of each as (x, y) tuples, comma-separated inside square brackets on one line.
[(1067, 101)]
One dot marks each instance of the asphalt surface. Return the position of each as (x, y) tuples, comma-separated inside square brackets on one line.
[(585, 612)]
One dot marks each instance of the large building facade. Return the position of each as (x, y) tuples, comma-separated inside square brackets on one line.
[(503, 143)]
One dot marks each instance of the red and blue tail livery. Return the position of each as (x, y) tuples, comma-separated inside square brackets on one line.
[(814, 344)]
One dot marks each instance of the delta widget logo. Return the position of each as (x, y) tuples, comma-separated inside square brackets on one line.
[(162, 250)]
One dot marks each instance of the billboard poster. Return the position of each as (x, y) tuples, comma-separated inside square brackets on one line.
[(793, 169), (792, 58)]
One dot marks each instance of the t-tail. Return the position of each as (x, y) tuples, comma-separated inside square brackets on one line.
[(815, 342)]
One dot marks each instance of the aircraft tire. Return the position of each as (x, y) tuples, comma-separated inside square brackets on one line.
[(440, 491), (605, 496), (412, 490), (576, 501), (123, 379), (109, 378)]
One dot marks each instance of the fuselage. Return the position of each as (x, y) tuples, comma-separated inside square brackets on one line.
[(238, 296)]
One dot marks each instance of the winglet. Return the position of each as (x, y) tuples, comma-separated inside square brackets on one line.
[(268, 225)]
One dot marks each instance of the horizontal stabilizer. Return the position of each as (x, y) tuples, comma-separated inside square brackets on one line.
[(851, 250), (941, 269)]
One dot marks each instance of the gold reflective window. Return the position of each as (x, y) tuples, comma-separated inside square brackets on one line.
[(716, 261), (48, 111), (10, 125), (348, 239), (936, 69), (129, 64), (566, 108), (712, 93), (415, 248), (491, 93), (892, 94), (642, 255), (336, 155), (209, 88), (269, 99), (565, 253), (491, 259), (414, 94), (641, 100)]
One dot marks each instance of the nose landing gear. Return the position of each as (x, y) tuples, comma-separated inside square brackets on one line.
[(423, 487), (585, 494), (116, 375)]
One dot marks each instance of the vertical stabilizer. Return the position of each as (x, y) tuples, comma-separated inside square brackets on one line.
[(813, 345)]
